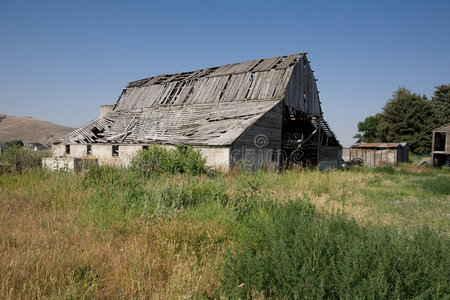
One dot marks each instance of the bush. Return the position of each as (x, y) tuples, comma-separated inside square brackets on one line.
[(157, 159), (299, 253), (18, 158)]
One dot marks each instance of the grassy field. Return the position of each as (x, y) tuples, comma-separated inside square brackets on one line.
[(108, 233)]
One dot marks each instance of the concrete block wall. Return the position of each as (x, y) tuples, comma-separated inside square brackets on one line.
[(58, 163), (58, 150), (68, 163), (126, 154), (218, 157), (104, 155), (78, 150)]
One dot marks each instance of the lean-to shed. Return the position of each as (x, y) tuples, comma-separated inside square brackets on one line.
[(259, 112)]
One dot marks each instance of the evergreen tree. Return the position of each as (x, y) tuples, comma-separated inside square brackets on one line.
[(367, 129), (408, 117), (441, 102)]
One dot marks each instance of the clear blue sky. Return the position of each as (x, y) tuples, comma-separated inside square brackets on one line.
[(61, 60)]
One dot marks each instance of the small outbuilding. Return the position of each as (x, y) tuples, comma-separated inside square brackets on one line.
[(376, 154), (440, 153)]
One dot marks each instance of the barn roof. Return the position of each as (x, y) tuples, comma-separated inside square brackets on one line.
[(261, 79), (211, 106), (195, 125)]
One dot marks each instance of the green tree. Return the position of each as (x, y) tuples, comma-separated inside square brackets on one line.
[(367, 129), (408, 117), (441, 102)]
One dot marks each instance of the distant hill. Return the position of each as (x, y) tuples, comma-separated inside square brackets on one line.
[(28, 129)]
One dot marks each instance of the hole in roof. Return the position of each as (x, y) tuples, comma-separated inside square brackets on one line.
[(225, 86)]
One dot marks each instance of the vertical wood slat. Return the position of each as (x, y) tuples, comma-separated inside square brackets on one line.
[(258, 79), (244, 86), (184, 92), (198, 89), (233, 87)]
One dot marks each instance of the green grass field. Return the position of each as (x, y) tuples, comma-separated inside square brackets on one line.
[(114, 233)]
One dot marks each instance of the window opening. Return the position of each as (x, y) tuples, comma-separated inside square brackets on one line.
[(115, 150)]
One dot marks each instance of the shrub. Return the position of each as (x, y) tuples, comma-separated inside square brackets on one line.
[(299, 253), (157, 159), (18, 158)]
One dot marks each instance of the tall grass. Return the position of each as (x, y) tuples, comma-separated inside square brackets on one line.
[(19, 158), (116, 233), (297, 253)]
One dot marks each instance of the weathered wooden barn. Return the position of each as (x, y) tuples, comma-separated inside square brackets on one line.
[(440, 154), (259, 112), (376, 154)]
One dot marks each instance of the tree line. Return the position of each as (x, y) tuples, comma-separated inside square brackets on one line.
[(408, 117)]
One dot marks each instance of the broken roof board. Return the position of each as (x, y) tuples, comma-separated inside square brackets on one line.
[(194, 125)]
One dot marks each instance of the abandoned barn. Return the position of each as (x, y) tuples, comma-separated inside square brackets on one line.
[(440, 153), (259, 112), (376, 154)]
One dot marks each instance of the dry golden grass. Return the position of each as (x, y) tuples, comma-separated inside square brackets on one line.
[(51, 245), (47, 253)]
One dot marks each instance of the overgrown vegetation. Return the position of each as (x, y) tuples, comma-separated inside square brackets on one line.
[(158, 159), (17, 158), (113, 233)]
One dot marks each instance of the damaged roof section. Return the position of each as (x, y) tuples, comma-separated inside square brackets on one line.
[(191, 125), (326, 129), (212, 106), (263, 79)]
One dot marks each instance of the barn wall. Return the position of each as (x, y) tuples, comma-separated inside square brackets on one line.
[(330, 157), (264, 133), (301, 91), (254, 158)]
